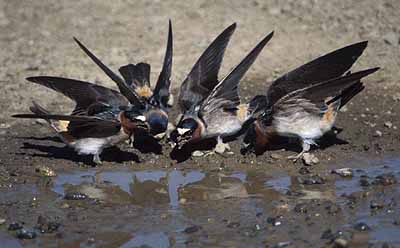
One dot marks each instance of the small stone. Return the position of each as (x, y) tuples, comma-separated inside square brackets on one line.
[(341, 243), (310, 159), (182, 200), (378, 133), (2, 221), (274, 221), (64, 205), (198, 154), (343, 172), (282, 244), (388, 124), (361, 226), (25, 234), (301, 208), (191, 229), (275, 156), (45, 171)]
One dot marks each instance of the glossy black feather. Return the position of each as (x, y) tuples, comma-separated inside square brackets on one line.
[(127, 91), (204, 75), (161, 91), (331, 65), (314, 97), (82, 126), (136, 75), (226, 93), (83, 93)]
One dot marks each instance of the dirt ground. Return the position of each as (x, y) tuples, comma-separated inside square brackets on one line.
[(147, 199)]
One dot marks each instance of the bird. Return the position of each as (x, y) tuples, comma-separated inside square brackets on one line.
[(220, 114), (307, 113), (101, 118), (136, 80), (323, 68)]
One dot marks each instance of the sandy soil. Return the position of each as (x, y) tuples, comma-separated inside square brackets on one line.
[(36, 39)]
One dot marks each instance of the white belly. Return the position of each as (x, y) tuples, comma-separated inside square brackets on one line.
[(306, 128), (96, 145)]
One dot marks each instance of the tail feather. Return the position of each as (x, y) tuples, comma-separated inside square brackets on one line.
[(136, 75)]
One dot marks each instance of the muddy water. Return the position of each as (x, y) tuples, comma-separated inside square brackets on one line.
[(194, 208)]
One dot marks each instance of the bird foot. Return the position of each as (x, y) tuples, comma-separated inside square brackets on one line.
[(96, 159)]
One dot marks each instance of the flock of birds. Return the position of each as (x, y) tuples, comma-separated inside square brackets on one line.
[(302, 103)]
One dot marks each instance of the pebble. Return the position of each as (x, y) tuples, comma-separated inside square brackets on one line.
[(343, 172), (361, 226), (310, 159), (282, 244), (65, 205), (274, 221), (301, 208), (2, 221), (342, 243), (388, 124), (25, 234), (275, 156), (198, 154), (45, 171), (378, 133)]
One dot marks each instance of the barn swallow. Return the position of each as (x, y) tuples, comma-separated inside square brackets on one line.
[(102, 117), (324, 68), (136, 80), (308, 113), (220, 114)]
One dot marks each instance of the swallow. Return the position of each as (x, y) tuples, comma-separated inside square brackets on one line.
[(220, 114), (308, 113), (101, 118), (136, 80), (329, 66)]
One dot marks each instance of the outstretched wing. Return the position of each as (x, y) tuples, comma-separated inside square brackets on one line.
[(329, 66), (161, 91), (83, 93), (204, 75), (314, 100), (125, 90), (82, 126), (226, 94)]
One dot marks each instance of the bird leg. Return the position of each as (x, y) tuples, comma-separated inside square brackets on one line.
[(96, 159), (220, 148), (306, 144)]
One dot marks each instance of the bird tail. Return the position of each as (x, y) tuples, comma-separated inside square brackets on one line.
[(59, 126)]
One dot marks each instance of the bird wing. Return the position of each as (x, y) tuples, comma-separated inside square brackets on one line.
[(329, 66), (226, 94), (315, 99), (161, 91), (82, 126), (83, 93), (124, 88), (204, 75)]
